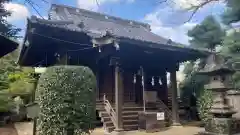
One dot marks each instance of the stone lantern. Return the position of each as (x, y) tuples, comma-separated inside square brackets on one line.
[(220, 81)]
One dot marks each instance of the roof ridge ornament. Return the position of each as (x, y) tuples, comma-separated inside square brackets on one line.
[(169, 42), (81, 25)]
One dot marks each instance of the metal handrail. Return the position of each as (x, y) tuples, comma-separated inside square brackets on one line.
[(109, 109)]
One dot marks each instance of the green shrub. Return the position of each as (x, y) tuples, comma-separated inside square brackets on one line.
[(67, 101), (6, 103), (204, 103)]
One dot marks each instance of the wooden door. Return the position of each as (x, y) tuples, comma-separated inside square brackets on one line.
[(129, 91)]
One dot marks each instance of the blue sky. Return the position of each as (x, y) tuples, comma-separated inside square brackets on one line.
[(166, 19)]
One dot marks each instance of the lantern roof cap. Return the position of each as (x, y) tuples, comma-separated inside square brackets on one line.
[(217, 64)]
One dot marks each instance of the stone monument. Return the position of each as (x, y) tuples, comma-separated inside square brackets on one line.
[(220, 81)]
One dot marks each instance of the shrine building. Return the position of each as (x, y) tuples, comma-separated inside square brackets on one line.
[(129, 61)]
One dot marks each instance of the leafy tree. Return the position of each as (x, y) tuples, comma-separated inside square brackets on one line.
[(208, 34), (6, 102), (7, 29), (232, 14), (231, 47), (7, 63), (20, 81), (66, 99)]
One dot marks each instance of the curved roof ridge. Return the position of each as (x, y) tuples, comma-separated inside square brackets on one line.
[(93, 14)]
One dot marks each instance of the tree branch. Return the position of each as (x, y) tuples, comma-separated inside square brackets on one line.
[(194, 8)]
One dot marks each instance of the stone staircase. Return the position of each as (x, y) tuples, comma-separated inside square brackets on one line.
[(129, 114)]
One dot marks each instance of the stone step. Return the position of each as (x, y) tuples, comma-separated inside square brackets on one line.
[(105, 114), (110, 129), (126, 128), (125, 123), (127, 108), (130, 127), (127, 117)]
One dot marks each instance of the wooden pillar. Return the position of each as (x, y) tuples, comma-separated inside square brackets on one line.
[(118, 94), (98, 86), (165, 87), (175, 106)]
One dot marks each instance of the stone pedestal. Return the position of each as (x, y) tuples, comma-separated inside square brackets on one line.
[(218, 126), (149, 123)]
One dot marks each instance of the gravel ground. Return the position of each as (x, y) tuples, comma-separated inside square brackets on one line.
[(25, 128)]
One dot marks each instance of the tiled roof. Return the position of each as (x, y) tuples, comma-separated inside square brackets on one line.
[(99, 24)]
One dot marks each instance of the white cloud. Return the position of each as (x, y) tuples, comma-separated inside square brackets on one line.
[(92, 4), (176, 33), (186, 4), (18, 11)]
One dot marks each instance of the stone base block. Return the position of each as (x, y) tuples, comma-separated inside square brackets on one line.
[(149, 123), (222, 126), (208, 133), (219, 126)]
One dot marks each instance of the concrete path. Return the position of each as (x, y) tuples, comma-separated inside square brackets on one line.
[(25, 128), (8, 130), (186, 130)]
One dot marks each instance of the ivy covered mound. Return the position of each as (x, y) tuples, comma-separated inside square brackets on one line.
[(66, 98)]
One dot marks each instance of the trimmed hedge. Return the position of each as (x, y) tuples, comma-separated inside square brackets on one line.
[(67, 101)]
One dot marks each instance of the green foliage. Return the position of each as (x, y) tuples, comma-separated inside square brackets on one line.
[(66, 98), (193, 83), (20, 81), (208, 34), (6, 103), (232, 14), (231, 47), (231, 44), (6, 28), (205, 102), (7, 63)]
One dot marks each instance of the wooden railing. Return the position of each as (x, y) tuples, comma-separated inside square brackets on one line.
[(126, 96), (109, 109), (167, 111)]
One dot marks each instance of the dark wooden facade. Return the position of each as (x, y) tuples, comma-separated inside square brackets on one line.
[(116, 50), (132, 89)]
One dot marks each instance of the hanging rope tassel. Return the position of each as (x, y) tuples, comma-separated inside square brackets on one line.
[(152, 81), (134, 79), (160, 82)]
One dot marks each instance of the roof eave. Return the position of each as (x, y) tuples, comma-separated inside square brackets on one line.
[(8, 45)]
